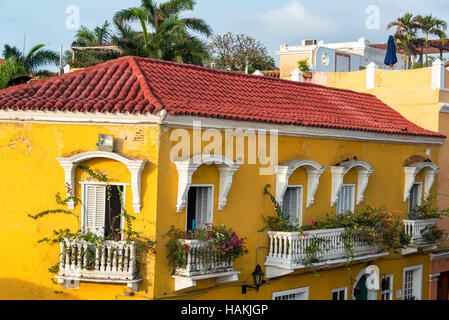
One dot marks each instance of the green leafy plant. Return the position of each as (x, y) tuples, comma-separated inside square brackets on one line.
[(277, 222), (432, 234), (377, 227), (429, 210), (220, 240), (303, 65), (143, 244)]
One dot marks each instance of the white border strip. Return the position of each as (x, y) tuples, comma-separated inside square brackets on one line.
[(300, 131), (94, 118)]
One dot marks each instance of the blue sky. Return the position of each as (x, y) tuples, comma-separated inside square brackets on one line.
[(270, 21)]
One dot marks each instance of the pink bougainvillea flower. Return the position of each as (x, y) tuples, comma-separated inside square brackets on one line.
[(312, 221), (372, 252), (305, 234)]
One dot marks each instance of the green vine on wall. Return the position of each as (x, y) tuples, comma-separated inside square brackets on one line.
[(143, 244), (377, 227)]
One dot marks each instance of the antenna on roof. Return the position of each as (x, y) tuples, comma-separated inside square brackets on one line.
[(60, 60), (24, 39)]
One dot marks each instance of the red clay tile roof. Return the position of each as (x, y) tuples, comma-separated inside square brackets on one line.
[(139, 85)]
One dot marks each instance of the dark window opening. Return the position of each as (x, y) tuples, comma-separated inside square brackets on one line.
[(191, 209), (113, 216)]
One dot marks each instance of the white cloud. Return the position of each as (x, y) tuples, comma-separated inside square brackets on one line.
[(294, 18)]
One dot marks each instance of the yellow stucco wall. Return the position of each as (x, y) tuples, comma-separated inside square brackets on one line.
[(408, 92), (31, 177), (247, 204)]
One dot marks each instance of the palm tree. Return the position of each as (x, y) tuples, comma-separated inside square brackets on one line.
[(89, 38), (165, 34), (10, 70), (405, 35), (34, 59), (431, 25)]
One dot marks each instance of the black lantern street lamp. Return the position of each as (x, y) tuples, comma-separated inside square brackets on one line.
[(257, 278)]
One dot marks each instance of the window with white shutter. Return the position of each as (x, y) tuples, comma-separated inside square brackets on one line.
[(292, 204), (412, 283), (295, 294), (101, 216), (95, 208), (346, 198), (415, 199), (199, 207), (339, 294)]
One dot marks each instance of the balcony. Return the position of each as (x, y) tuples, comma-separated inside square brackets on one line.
[(287, 251), (114, 263), (415, 228), (203, 263)]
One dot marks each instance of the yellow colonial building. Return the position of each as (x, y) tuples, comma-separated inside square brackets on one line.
[(142, 146)]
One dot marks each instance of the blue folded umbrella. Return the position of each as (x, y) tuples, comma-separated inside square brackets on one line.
[(390, 58)]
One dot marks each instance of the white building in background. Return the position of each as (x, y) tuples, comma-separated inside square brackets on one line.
[(333, 57)]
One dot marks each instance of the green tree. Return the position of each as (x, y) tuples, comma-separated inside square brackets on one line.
[(406, 34), (99, 36), (10, 70), (34, 59), (238, 52), (431, 25), (165, 34)]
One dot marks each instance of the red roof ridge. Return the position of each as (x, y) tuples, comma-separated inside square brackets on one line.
[(149, 94), (145, 86), (251, 76)]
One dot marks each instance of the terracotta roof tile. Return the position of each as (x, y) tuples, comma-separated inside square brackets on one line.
[(139, 85)]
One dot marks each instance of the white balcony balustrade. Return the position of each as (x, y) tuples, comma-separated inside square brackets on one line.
[(287, 250), (114, 262), (415, 228), (203, 263)]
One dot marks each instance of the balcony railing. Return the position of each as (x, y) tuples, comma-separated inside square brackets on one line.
[(203, 263), (115, 262), (415, 228), (287, 250)]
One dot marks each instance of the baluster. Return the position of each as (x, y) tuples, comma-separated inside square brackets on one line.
[(114, 253), (120, 260), (103, 259), (126, 259), (70, 256), (85, 251), (61, 256), (97, 259), (133, 258), (79, 256)]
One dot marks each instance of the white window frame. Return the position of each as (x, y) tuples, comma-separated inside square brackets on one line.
[(300, 201), (84, 184), (390, 276), (353, 197), (211, 203), (345, 289), (302, 290), (419, 200), (417, 281)]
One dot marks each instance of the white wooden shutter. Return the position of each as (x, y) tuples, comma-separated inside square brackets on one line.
[(202, 206), (291, 203), (414, 199), (346, 199), (95, 207)]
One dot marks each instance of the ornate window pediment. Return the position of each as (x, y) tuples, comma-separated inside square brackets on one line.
[(363, 169), (135, 167), (430, 170), (186, 168), (285, 170)]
